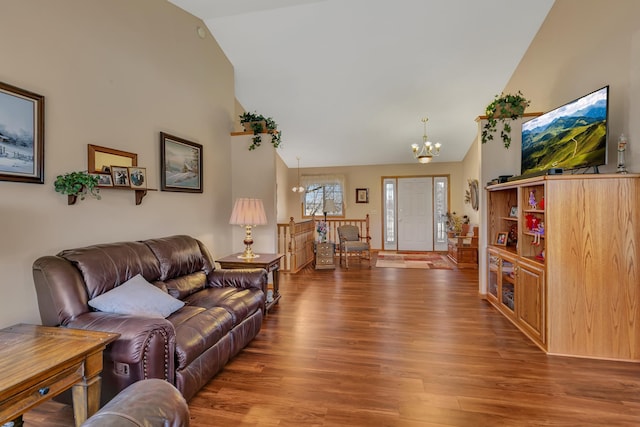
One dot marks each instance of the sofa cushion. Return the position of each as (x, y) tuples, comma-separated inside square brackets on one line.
[(240, 303), (198, 329), (178, 256), (105, 266), (183, 286), (137, 297)]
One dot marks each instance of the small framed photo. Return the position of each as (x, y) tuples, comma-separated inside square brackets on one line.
[(120, 176), (104, 179), (501, 238), (514, 212), (362, 195), (138, 178)]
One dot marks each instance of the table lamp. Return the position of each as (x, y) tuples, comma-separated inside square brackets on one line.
[(248, 213), (329, 207)]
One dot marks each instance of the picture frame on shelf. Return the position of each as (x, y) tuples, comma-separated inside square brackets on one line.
[(514, 212), (180, 164), (362, 195), (100, 159), (137, 178), (120, 176), (501, 238), (21, 135), (104, 179)]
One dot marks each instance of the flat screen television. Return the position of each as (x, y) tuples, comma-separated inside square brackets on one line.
[(570, 137)]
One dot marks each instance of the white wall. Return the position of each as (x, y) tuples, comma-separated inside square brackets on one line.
[(254, 176), (582, 46), (471, 170), (114, 73)]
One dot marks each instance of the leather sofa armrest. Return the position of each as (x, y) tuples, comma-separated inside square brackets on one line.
[(243, 278), (146, 344), (150, 402)]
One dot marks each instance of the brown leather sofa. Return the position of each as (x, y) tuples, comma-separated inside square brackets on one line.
[(147, 403), (223, 309)]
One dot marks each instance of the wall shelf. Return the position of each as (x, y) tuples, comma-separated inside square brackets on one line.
[(139, 194)]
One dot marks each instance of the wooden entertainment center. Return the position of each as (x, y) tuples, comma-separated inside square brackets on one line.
[(573, 285)]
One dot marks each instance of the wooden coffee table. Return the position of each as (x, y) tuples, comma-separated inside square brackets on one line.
[(39, 362)]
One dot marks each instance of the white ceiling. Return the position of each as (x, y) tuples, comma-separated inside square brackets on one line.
[(348, 81)]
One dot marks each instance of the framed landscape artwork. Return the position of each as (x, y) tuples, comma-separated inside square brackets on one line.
[(21, 135), (180, 164)]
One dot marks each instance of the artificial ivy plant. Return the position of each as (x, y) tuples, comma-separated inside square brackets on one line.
[(258, 124), (504, 107), (78, 184)]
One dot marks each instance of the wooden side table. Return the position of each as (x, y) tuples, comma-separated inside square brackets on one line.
[(325, 256), (463, 250), (40, 362), (270, 262)]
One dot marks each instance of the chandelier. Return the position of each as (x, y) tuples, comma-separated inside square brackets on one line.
[(428, 150), (299, 188)]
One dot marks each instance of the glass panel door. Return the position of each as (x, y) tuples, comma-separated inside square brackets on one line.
[(389, 215), (440, 208)]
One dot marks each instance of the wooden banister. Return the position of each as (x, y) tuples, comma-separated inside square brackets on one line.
[(296, 239)]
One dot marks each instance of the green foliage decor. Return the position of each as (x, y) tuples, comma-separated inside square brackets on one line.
[(77, 184), (503, 108), (454, 222), (257, 124)]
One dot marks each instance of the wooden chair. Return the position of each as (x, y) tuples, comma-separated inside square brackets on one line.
[(351, 242)]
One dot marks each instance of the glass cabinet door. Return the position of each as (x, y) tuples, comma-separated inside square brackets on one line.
[(508, 281), (494, 271)]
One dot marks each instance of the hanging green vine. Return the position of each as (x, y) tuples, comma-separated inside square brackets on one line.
[(503, 108), (259, 124)]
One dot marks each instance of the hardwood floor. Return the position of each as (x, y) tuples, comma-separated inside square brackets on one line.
[(400, 347)]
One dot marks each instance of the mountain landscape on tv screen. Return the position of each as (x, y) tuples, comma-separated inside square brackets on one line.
[(569, 141)]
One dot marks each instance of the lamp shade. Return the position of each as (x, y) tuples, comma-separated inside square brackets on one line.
[(329, 206), (248, 212)]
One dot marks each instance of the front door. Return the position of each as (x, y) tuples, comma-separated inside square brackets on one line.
[(415, 214)]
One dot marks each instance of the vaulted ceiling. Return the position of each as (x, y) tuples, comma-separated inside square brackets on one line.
[(348, 81)]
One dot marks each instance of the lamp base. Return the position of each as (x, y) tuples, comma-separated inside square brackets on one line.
[(248, 241), (249, 255)]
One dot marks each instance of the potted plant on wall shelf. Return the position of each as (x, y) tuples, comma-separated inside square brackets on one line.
[(77, 184), (503, 108), (257, 123)]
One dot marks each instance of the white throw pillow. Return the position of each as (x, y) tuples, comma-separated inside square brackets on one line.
[(138, 297)]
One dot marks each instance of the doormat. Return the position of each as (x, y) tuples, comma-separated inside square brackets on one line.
[(428, 260)]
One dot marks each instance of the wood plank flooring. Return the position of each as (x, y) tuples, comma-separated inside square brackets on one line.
[(400, 347)]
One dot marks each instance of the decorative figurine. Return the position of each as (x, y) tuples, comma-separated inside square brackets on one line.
[(538, 231), (529, 220), (532, 200), (622, 147)]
